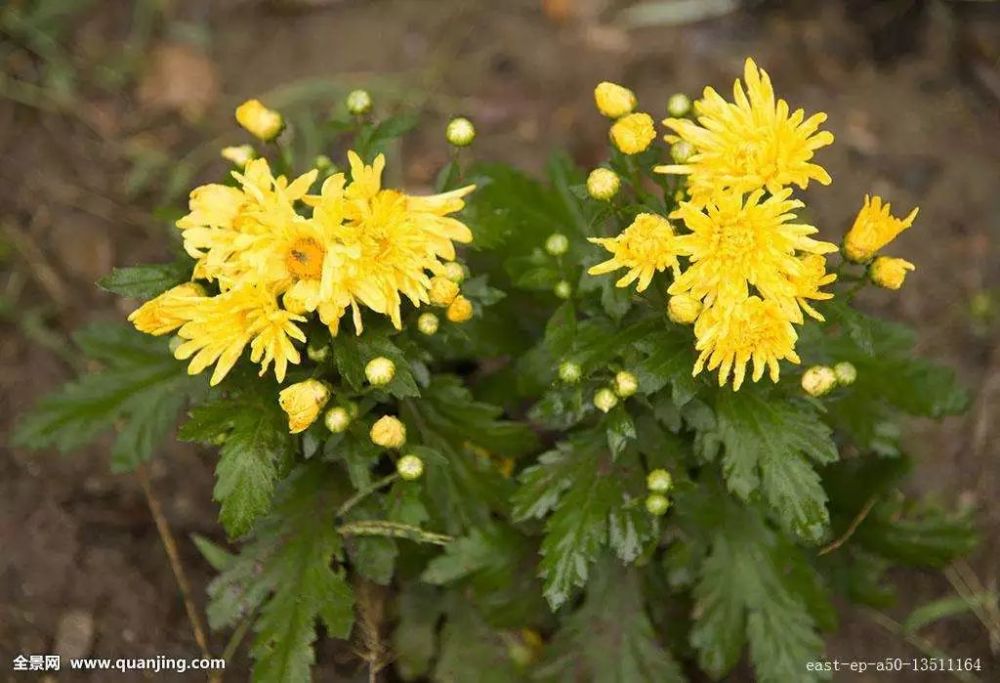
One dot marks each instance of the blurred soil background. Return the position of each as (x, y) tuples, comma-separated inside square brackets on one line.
[(110, 111)]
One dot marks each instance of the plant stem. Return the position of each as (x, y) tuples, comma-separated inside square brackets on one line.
[(375, 527), (351, 502)]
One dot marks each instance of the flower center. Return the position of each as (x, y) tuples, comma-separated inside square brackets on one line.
[(305, 259)]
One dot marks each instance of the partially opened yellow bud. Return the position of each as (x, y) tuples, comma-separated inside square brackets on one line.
[(260, 121), (873, 228), (683, 309), (889, 272), (168, 311), (613, 100), (460, 310), (818, 380), (633, 134), (303, 402), (443, 291), (603, 184), (239, 155), (388, 432)]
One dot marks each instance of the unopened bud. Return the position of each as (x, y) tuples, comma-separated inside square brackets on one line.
[(846, 373), (818, 380), (380, 371), (428, 323), (557, 244), (633, 134), (260, 121), (625, 384), (603, 184), (681, 151), (678, 105), (317, 353), (388, 432), (239, 155), (659, 481), (460, 132), (563, 290), (683, 309), (605, 400), (410, 467), (613, 100), (454, 271), (337, 419), (359, 102), (889, 272), (443, 291), (570, 372), (459, 310), (657, 504)]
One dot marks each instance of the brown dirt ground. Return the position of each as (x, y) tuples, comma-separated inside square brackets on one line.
[(910, 87)]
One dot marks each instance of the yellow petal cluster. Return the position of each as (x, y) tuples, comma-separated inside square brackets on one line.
[(889, 272), (633, 133), (874, 227), (274, 263), (751, 143), (302, 402), (645, 247)]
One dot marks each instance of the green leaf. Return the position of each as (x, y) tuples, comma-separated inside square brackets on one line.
[(415, 637), (668, 357), (218, 557), (352, 353), (742, 596), (146, 281), (256, 447), (461, 557), (610, 638), (768, 444), (141, 390), (944, 608), (471, 650), (620, 431)]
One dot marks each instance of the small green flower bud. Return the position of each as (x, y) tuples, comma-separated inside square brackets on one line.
[(337, 419), (557, 244), (678, 105), (322, 163), (175, 343), (352, 409), (454, 271), (239, 155), (657, 504), (428, 323), (625, 384), (359, 102), (846, 373), (563, 290), (603, 184), (410, 467), (659, 481), (818, 380), (569, 372), (460, 132), (317, 353), (605, 400), (380, 371), (681, 151)]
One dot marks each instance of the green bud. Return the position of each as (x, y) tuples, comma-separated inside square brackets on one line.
[(410, 467), (428, 323), (626, 384), (380, 371), (657, 504), (605, 400), (846, 373), (337, 420), (569, 372), (563, 290), (681, 151), (557, 244), (460, 132), (678, 105), (359, 102), (659, 481)]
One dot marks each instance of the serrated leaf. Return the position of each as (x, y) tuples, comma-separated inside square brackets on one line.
[(218, 557), (146, 281), (767, 446), (668, 357), (141, 390), (461, 557), (620, 431)]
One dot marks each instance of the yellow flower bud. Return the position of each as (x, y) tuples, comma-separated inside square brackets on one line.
[(337, 420), (428, 323), (460, 132), (388, 432), (818, 380), (657, 504), (678, 105), (317, 353), (239, 156), (626, 384), (889, 272), (633, 134), (873, 228), (563, 289), (168, 311), (359, 102), (603, 184), (681, 151), (459, 310), (410, 467), (454, 271), (443, 291), (302, 402), (659, 481), (846, 373), (260, 121), (613, 100), (605, 400), (570, 372), (380, 371), (557, 244), (683, 309)]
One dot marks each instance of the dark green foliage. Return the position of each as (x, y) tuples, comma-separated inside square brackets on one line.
[(145, 282)]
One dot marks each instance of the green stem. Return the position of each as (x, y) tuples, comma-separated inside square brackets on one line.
[(234, 641), (351, 502), (374, 527)]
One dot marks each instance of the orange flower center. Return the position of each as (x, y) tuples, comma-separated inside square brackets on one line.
[(305, 259)]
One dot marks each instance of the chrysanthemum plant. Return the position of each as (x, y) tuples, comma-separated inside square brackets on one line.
[(632, 429)]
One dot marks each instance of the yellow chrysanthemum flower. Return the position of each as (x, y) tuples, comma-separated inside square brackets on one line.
[(303, 402), (807, 283), (873, 228), (633, 133), (645, 247), (889, 272), (737, 242), (168, 311), (389, 242), (220, 327), (731, 336), (750, 144)]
